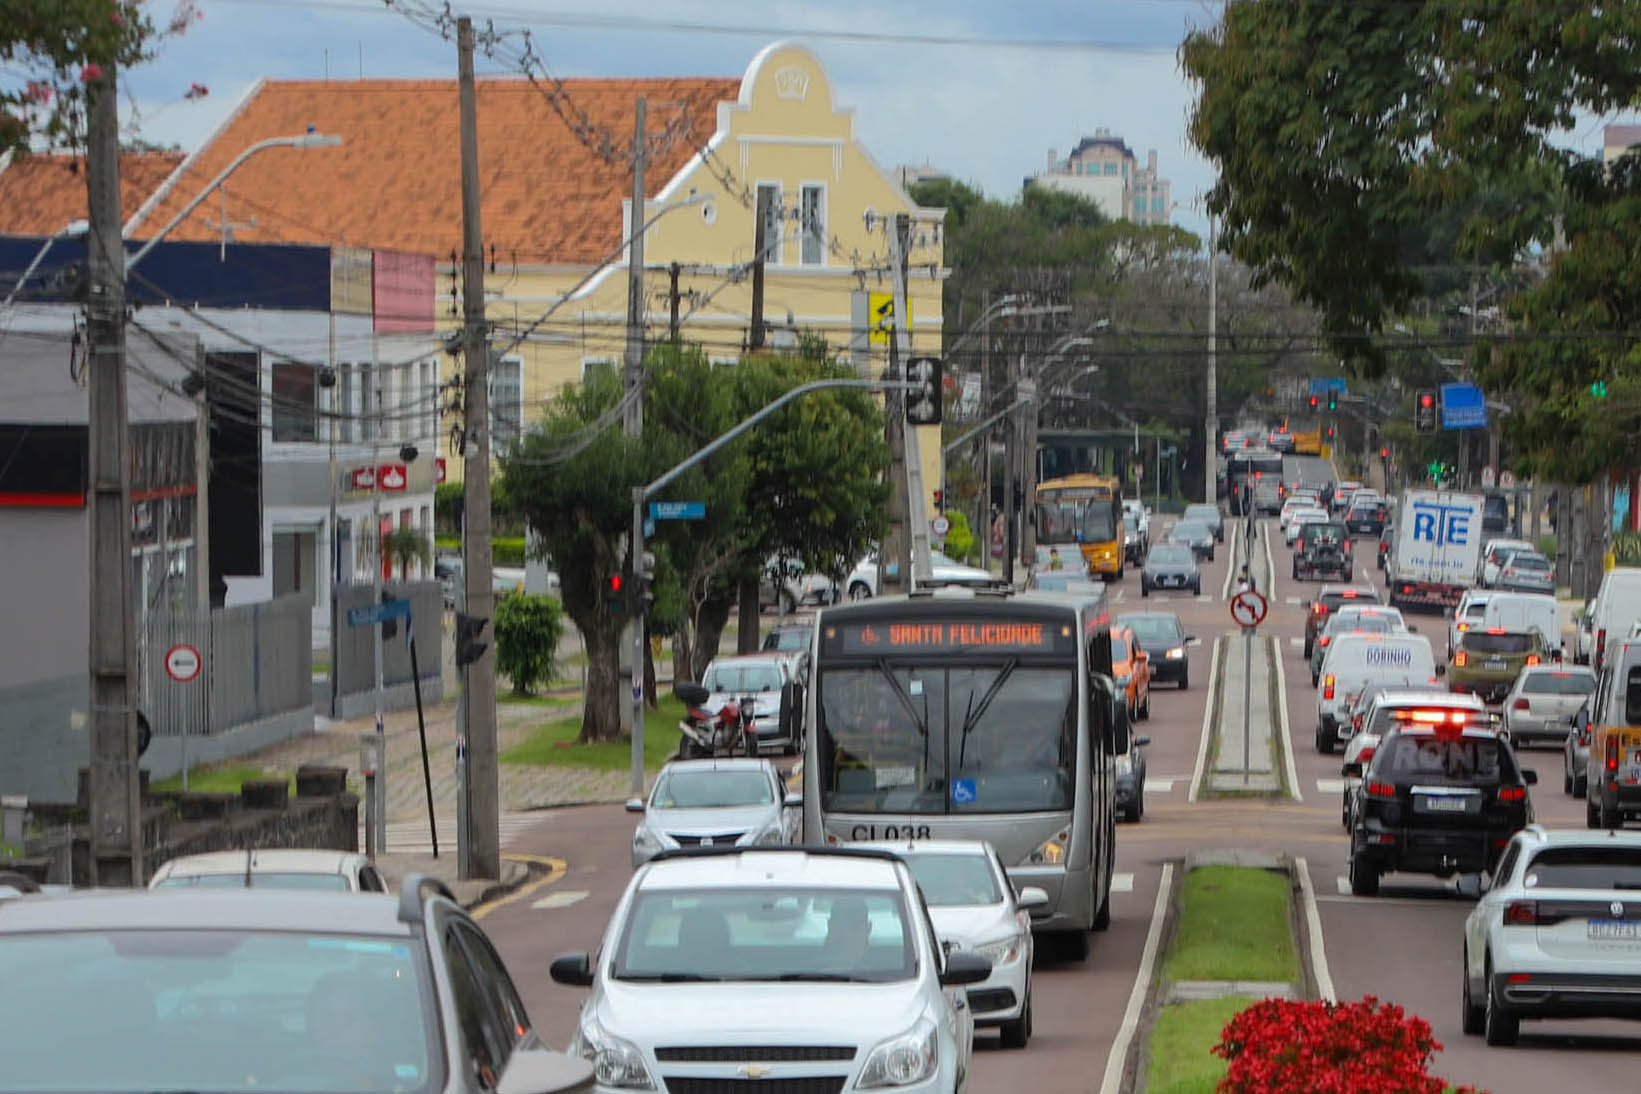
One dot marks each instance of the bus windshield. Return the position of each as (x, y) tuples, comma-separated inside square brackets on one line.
[(942, 738), (1076, 516)]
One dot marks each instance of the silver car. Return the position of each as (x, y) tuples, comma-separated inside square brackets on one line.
[(1542, 700), (1526, 572), (729, 802)]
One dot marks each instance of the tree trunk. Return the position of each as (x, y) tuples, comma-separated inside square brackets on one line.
[(649, 675), (683, 656), (747, 640), (601, 710), (709, 632)]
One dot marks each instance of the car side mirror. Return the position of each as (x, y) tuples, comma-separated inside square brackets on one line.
[(575, 969), (1470, 886), (1529, 776), (1351, 770), (635, 805), (1192, 640), (539, 1070), (1413, 630), (1032, 900), (964, 967), (794, 799), (1441, 670), (1141, 742)]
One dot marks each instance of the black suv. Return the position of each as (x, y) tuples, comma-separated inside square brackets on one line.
[(1162, 636), (1322, 551), (1332, 596), (1367, 515), (1438, 799)]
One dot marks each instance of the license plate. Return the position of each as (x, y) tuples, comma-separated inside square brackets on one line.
[(1494, 664), (1445, 805), (1615, 929)]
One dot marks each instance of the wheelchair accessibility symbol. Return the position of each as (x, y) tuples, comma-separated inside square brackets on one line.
[(963, 792)]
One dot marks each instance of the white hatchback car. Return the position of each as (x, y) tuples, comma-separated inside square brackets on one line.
[(799, 968), (1558, 933), (974, 908), (274, 868)]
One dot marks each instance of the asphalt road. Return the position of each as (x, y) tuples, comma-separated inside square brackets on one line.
[(1403, 946)]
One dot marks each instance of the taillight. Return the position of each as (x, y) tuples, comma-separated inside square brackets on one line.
[(1612, 754), (1512, 793), (1460, 659), (1532, 659), (1327, 686), (1521, 913), (1462, 627), (1367, 754), (1380, 790), (1521, 704), (1323, 641)]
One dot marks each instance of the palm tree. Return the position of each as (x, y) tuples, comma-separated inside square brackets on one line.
[(405, 545)]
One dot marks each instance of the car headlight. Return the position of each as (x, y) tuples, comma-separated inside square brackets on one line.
[(1051, 852), (1003, 951), (901, 1061), (1176, 653), (645, 840), (616, 1062)]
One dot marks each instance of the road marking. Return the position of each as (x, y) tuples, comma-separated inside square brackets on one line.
[(1158, 786), (1116, 1062), (1207, 723), (1330, 786), (1343, 884), (1205, 600), (1282, 723), (562, 899), (556, 868), (1118, 598), (1297, 643), (1270, 567), (1122, 883), (1230, 569), (1313, 927), (1367, 578), (1294, 600)]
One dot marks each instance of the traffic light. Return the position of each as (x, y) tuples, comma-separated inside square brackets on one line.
[(646, 579), (1599, 389), (1384, 453), (1315, 402), (923, 403), (468, 647), (1333, 399), (1330, 431), (390, 627), (615, 593), (939, 501), (1424, 412)]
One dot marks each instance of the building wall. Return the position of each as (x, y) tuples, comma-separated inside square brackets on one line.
[(1105, 191)]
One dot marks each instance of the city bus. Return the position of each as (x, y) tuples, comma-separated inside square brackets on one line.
[(972, 714), (1083, 513), (1247, 467)]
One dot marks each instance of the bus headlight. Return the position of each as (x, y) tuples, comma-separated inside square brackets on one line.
[(1051, 852)]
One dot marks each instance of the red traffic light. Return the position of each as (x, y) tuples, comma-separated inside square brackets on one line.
[(1384, 453), (1427, 400), (1315, 402), (615, 583)]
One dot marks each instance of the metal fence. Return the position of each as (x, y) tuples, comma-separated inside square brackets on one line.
[(256, 661)]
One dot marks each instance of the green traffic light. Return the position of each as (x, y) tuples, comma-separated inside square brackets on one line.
[(1599, 389)]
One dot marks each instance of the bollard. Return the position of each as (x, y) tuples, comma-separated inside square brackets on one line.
[(370, 758)]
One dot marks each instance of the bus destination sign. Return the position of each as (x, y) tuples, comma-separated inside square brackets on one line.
[(890, 639)]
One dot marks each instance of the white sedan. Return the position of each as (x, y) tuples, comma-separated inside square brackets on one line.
[(1555, 935), (1298, 519), (862, 583)]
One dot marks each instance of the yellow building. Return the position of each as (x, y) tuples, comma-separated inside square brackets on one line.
[(557, 210)]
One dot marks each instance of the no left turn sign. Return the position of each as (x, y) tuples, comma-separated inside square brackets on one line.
[(182, 663), (1248, 608)]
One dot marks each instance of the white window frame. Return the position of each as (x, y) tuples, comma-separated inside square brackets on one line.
[(804, 189), (777, 249), (593, 361), (517, 362)]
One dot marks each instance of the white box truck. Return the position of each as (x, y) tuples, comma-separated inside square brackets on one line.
[(1437, 546)]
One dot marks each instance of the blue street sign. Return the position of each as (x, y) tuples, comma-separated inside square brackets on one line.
[(649, 529), (376, 613), (1327, 384), (678, 510), (1463, 407)]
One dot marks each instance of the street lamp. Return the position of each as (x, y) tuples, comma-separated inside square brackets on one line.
[(309, 139)]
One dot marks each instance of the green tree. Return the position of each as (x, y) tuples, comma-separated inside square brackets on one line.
[(402, 546), (959, 537), (528, 629)]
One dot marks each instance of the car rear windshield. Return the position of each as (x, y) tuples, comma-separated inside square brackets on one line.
[(1558, 683), (1440, 759), (950, 881), (787, 640), (1333, 600), (1488, 642), (1331, 534), (1530, 562), (1585, 868), (259, 880), (1119, 649), (733, 677)]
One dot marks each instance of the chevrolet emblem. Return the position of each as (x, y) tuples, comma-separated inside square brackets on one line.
[(706, 841), (1617, 909), (754, 1071)]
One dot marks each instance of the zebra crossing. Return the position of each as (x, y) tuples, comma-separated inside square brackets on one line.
[(415, 837)]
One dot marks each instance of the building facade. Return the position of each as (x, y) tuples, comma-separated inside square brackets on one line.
[(1103, 169)]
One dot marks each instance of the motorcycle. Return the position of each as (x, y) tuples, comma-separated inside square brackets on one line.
[(727, 731)]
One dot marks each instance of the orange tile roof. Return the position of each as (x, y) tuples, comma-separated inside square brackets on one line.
[(394, 183), (41, 193)]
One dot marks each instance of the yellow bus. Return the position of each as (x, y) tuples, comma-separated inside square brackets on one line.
[(1083, 512), (1307, 436)]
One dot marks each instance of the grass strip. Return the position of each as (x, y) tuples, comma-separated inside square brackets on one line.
[(1180, 1061), (221, 780), (553, 744), (1233, 925)]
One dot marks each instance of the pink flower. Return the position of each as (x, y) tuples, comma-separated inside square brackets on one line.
[(38, 92), (91, 72), (118, 19), (196, 91)]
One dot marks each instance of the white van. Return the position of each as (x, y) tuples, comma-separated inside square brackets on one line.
[(1617, 605), (1520, 612), (1356, 660)]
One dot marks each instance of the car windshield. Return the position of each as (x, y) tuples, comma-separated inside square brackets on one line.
[(1119, 649), (1325, 534), (1584, 868), (1169, 554), (1192, 530), (1529, 562), (1488, 642), (1449, 760), (259, 880), (787, 640), (742, 678), (951, 881), (1558, 683), (1333, 600), (160, 1010), (1204, 513), (1363, 624), (703, 788), (766, 933), (943, 738), (1154, 630)]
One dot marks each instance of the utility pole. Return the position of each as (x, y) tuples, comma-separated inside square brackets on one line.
[(116, 805), (632, 419), (672, 301), (755, 339), (479, 681), (376, 814), (894, 563), (1210, 425)]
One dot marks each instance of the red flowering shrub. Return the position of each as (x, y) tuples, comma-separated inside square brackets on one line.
[(1282, 1047)]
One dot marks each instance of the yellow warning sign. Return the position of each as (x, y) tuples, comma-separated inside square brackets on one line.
[(881, 315)]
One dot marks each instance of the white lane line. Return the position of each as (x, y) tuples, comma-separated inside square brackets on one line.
[(1297, 643), (1116, 1062), (1294, 600), (561, 899), (1313, 927), (1330, 786), (1122, 883), (1230, 569), (1205, 600), (1270, 567), (1367, 578), (1158, 786), (1342, 883), (1282, 722), (1117, 599), (1207, 726)]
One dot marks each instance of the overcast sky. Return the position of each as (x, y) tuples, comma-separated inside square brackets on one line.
[(987, 114)]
